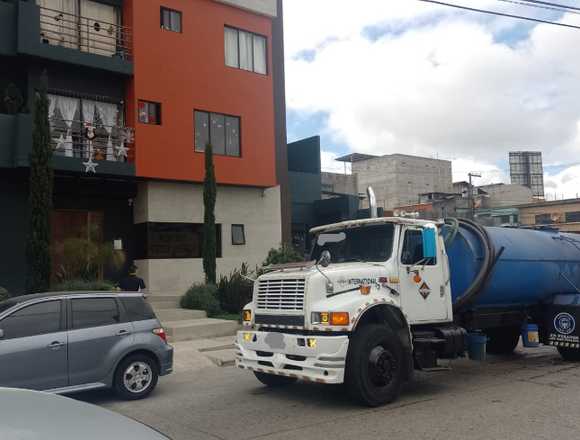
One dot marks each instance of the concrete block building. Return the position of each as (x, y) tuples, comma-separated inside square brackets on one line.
[(399, 179)]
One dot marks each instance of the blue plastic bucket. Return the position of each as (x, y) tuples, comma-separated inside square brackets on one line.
[(476, 346), (531, 335)]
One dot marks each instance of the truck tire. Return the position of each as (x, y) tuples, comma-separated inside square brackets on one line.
[(273, 381), (569, 354), (375, 365), (502, 340)]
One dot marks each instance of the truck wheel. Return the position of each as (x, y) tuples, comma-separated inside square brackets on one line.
[(569, 354), (271, 380), (374, 366), (503, 340)]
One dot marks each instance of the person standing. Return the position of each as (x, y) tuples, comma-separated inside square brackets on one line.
[(132, 283)]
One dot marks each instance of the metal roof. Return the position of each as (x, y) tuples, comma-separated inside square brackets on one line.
[(355, 157)]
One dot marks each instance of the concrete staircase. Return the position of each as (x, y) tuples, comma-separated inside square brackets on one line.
[(188, 325)]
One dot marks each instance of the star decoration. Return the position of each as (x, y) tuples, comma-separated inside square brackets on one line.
[(121, 151), (128, 135), (90, 166), (60, 143)]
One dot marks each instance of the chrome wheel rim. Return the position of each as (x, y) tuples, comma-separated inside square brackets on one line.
[(138, 377)]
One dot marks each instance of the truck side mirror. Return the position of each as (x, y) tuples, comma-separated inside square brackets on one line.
[(1, 334), (325, 259), (429, 242)]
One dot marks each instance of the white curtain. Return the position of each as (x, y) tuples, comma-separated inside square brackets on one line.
[(108, 114), (99, 27), (231, 47), (89, 118), (58, 22), (246, 50), (260, 57), (68, 108)]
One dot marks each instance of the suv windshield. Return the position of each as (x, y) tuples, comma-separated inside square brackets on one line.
[(366, 243)]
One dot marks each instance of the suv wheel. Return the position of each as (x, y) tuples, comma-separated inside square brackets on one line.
[(136, 377)]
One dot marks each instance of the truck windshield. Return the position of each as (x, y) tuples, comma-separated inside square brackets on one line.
[(366, 243)]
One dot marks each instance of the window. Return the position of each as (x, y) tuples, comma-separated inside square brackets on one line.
[(137, 309), (544, 219), (246, 50), (37, 319), (573, 217), (367, 243), (170, 20), (172, 240), (238, 235), (94, 312), (222, 131), (149, 112), (413, 249)]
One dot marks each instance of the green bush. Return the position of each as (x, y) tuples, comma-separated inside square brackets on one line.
[(4, 295), (284, 254), (235, 291), (202, 297), (82, 285)]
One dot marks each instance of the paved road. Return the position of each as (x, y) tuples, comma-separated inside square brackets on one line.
[(531, 395)]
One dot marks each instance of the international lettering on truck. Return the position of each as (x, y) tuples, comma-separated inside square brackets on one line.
[(383, 297)]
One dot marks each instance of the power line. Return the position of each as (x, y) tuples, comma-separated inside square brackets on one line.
[(534, 5), (556, 5), (501, 14)]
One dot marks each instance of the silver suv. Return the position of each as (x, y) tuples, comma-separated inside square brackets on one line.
[(70, 342)]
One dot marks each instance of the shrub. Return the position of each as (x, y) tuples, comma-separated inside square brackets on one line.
[(284, 254), (83, 285), (235, 291), (202, 297), (4, 295)]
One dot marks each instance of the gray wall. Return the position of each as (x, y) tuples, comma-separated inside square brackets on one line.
[(339, 184), (398, 179)]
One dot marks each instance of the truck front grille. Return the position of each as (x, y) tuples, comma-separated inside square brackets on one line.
[(281, 295)]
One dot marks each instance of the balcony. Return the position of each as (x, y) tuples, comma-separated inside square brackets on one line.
[(93, 38), (106, 154)]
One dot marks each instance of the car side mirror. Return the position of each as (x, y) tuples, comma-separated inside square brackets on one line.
[(1, 334), (325, 259), (429, 235)]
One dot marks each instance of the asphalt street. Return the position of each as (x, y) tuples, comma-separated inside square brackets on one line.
[(530, 395)]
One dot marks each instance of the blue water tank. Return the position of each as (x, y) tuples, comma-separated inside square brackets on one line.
[(534, 266)]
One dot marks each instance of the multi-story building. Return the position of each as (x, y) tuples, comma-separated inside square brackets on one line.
[(526, 169), (399, 179), (137, 89)]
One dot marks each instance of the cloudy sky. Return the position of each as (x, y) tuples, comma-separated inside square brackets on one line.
[(403, 76)]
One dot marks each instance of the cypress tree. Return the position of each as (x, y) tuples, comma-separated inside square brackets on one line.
[(209, 245), (40, 196)]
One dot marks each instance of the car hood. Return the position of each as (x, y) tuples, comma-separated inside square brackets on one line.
[(32, 415)]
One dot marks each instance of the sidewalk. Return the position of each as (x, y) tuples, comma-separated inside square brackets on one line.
[(202, 353)]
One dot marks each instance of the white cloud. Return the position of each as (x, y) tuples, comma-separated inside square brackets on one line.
[(446, 87), (329, 164)]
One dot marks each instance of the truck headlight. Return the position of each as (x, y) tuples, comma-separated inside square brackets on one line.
[(331, 318)]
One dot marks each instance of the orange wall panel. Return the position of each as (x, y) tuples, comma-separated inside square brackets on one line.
[(187, 71)]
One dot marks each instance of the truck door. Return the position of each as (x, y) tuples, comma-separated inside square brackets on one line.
[(423, 295)]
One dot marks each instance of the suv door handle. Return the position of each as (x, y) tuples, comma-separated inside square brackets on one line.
[(56, 345), (123, 333)]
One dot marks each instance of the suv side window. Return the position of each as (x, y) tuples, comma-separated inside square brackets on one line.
[(37, 319), (413, 249), (94, 312), (137, 309)]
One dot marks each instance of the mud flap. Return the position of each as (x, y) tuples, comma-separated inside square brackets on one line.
[(563, 322)]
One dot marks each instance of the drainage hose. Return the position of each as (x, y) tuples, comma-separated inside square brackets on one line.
[(476, 287)]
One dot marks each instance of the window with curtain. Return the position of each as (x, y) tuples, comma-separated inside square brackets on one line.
[(170, 20), (149, 112), (246, 50), (222, 131)]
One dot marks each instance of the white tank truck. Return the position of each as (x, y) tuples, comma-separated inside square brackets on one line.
[(382, 297)]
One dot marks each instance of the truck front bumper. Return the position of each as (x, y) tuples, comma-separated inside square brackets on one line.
[(313, 358)]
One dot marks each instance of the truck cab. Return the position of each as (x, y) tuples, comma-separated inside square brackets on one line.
[(373, 304)]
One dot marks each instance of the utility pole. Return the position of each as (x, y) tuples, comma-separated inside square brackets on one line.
[(471, 201)]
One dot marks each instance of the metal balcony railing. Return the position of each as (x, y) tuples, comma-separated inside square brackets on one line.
[(100, 142), (86, 34)]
